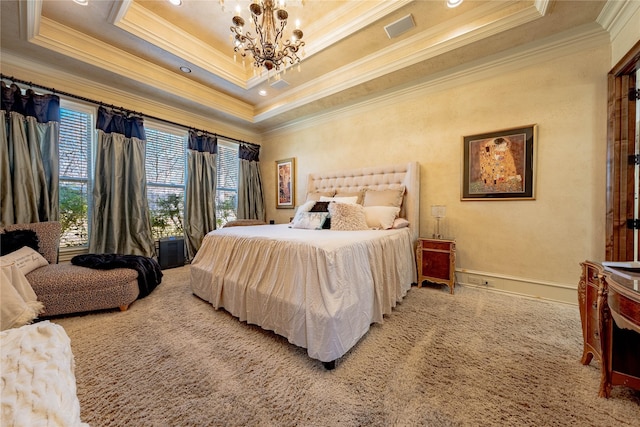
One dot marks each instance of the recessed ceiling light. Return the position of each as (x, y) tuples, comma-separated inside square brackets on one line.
[(454, 3), (185, 69), (81, 2), (176, 2), (262, 92)]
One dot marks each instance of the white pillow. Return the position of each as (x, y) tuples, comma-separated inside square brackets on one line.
[(352, 200), (347, 217), (400, 223), (25, 258), (310, 220), (380, 217)]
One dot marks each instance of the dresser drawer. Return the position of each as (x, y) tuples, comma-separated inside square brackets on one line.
[(436, 245), (592, 276)]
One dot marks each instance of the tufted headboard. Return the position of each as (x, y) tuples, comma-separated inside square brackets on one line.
[(377, 178)]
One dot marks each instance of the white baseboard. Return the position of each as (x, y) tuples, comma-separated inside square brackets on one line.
[(518, 286)]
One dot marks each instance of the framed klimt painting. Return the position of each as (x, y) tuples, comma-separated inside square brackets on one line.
[(500, 165), (285, 182)]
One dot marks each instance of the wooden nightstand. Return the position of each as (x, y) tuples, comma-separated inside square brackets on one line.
[(436, 260)]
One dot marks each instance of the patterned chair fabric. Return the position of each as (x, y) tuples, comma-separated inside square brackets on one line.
[(66, 288)]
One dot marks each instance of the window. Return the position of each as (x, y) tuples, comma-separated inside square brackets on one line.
[(76, 141), (227, 182), (165, 166)]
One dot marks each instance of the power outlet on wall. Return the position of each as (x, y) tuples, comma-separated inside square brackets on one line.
[(475, 280)]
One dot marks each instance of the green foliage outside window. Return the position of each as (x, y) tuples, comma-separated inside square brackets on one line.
[(73, 216), (225, 211), (166, 218)]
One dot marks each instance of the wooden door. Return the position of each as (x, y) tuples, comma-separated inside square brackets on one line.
[(622, 159)]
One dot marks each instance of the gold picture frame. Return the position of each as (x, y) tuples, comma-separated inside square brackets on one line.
[(500, 165), (286, 183)]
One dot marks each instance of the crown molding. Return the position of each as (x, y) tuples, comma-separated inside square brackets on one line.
[(615, 14), (119, 10), (487, 20), (142, 23), (30, 12), (29, 70), (584, 38), (542, 6), (345, 21), (71, 43)]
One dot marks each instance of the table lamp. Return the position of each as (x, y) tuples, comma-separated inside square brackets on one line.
[(438, 212)]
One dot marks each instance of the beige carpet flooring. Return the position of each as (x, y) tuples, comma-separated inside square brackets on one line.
[(475, 358)]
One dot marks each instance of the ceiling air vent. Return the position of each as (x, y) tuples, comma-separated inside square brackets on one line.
[(400, 26)]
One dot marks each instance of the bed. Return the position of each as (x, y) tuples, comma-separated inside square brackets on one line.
[(319, 288)]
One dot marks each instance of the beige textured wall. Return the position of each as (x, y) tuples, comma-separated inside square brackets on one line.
[(540, 241)]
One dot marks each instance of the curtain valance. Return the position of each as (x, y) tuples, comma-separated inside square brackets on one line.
[(110, 121), (249, 152), (203, 143), (45, 108)]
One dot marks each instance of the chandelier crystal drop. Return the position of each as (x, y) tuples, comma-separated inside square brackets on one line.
[(267, 46)]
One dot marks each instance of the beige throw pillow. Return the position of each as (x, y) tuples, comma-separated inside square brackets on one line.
[(347, 217), (25, 258), (384, 197), (380, 217)]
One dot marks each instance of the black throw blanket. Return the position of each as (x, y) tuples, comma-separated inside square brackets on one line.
[(149, 273)]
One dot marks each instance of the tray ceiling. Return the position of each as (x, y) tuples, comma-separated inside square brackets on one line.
[(140, 45)]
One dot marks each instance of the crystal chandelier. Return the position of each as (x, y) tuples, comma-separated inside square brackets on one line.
[(267, 47)]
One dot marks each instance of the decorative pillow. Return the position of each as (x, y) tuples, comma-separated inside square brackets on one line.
[(347, 217), (400, 223), (323, 207), (25, 258), (384, 197), (359, 194), (380, 217), (303, 208), (350, 199), (14, 240), (315, 195), (310, 220), (320, 207)]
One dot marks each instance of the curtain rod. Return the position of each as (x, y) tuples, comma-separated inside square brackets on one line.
[(82, 98)]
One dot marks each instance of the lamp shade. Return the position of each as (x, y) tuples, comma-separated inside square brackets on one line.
[(438, 211)]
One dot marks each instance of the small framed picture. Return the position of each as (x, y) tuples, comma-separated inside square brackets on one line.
[(499, 165), (286, 183)]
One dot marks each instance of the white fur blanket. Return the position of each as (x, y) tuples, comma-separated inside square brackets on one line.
[(38, 378)]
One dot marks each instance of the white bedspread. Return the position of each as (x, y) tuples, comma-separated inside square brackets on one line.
[(321, 289)]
